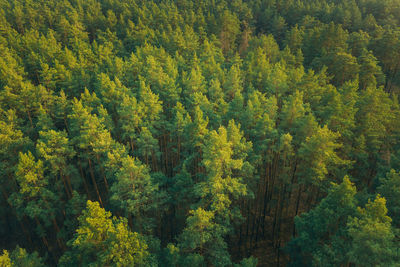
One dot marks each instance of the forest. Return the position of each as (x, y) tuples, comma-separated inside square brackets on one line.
[(235, 133)]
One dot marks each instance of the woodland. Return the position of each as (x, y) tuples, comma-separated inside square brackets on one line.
[(215, 133)]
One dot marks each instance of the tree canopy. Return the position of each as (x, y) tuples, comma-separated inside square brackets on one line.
[(199, 133)]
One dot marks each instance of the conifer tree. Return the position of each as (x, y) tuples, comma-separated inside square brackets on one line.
[(101, 240)]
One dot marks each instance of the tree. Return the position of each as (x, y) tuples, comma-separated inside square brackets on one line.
[(318, 155), (19, 257), (358, 41), (386, 49), (322, 238), (294, 38), (92, 141), (147, 146), (130, 117), (136, 194), (374, 121), (5, 259), (209, 125), (101, 240), (12, 141), (371, 233), (296, 118), (370, 72), (233, 84), (389, 188), (34, 198), (229, 29), (224, 152), (193, 82), (198, 234), (54, 147), (344, 67), (150, 106)]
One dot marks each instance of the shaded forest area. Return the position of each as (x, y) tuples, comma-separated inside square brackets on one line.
[(199, 133)]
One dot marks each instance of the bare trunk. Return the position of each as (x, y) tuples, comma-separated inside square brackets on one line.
[(84, 179), (94, 183)]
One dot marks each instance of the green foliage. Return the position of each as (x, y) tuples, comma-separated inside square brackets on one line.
[(371, 233), (101, 240), (318, 154), (336, 227), (389, 188), (135, 192), (322, 236), (210, 125), (34, 198), (5, 259), (54, 147), (20, 257)]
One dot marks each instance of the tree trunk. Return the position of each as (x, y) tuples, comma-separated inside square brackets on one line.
[(84, 179), (94, 183)]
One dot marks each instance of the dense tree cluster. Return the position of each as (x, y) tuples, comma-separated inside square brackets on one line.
[(199, 133)]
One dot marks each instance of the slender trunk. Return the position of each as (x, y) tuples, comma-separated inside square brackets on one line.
[(166, 153), (102, 172), (45, 242), (84, 179), (240, 240), (29, 115), (26, 233), (279, 216), (274, 225), (68, 180), (66, 123), (258, 214), (265, 198), (271, 190), (239, 244), (55, 224), (94, 183), (298, 199), (257, 228), (253, 228), (310, 197), (297, 208), (248, 223), (59, 240), (131, 143), (26, 222), (104, 178), (278, 256), (171, 222), (154, 160), (293, 178), (179, 148), (130, 221), (65, 187)]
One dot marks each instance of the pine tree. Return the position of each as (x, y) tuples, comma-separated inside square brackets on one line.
[(371, 233), (136, 194), (101, 240), (54, 147), (34, 198), (19, 257), (390, 189), (370, 72), (322, 238)]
